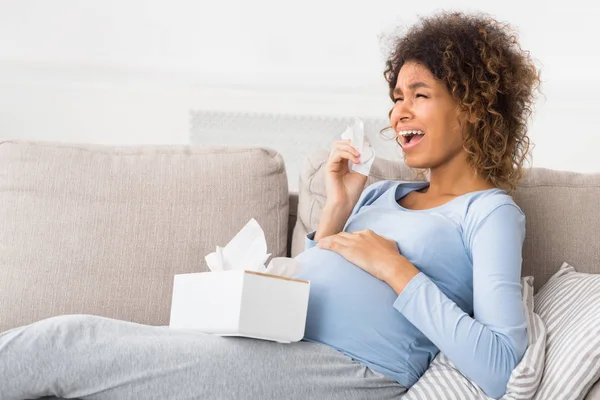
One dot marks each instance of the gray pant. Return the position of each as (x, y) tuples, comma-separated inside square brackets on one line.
[(89, 357)]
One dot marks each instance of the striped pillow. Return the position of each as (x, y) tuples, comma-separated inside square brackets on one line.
[(569, 304), (443, 381)]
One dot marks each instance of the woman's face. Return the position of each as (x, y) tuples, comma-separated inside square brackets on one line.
[(426, 119)]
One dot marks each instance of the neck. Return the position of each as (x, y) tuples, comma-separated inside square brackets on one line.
[(455, 177)]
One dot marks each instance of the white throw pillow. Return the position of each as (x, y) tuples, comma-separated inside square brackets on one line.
[(569, 304), (443, 381)]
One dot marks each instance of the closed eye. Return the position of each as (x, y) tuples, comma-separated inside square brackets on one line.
[(397, 99)]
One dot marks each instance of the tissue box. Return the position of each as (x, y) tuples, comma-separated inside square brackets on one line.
[(241, 303)]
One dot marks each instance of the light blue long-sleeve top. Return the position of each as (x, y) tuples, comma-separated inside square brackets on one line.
[(465, 301)]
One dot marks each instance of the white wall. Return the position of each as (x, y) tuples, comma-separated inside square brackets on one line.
[(126, 72)]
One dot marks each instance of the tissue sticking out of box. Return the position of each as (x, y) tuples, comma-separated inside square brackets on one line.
[(248, 251), (358, 140)]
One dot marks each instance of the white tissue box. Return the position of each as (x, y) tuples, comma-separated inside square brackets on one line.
[(241, 303)]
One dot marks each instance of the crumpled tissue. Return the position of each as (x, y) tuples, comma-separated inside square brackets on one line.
[(358, 140), (248, 251)]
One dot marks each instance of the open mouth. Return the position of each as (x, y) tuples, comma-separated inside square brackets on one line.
[(410, 138)]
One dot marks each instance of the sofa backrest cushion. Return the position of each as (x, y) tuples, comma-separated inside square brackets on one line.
[(562, 211), (103, 229)]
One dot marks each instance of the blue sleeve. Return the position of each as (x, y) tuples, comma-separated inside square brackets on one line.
[(309, 240), (489, 345), (367, 196)]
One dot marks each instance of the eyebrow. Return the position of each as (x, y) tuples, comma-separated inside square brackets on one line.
[(412, 86)]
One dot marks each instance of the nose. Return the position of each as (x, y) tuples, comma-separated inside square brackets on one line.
[(401, 112)]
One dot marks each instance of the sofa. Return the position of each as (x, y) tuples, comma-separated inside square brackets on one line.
[(102, 229)]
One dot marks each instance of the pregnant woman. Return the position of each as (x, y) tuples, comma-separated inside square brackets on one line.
[(399, 270)]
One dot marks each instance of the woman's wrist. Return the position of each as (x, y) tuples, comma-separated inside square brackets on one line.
[(337, 209), (332, 221), (401, 273)]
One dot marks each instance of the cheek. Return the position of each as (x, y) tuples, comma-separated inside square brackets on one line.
[(447, 128), (455, 130), (394, 116)]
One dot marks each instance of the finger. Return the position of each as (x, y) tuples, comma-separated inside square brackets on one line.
[(368, 233), (346, 147), (339, 155), (342, 142), (345, 154), (346, 238), (336, 240), (335, 243)]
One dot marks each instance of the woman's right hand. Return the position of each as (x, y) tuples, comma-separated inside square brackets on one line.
[(343, 187)]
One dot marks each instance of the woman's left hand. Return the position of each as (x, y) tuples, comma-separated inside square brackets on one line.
[(373, 253)]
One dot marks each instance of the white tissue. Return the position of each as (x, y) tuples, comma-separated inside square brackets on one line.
[(356, 134), (248, 251)]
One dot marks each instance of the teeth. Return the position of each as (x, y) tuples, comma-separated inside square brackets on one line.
[(413, 132)]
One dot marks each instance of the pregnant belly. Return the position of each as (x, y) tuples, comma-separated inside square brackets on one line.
[(346, 304)]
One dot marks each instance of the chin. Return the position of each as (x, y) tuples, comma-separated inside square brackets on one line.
[(417, 162)]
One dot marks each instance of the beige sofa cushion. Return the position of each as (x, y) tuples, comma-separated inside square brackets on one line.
[(102, 230), (562, 210), (563, 222)]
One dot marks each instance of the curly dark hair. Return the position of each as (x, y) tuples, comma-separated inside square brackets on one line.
[(483, 66)]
